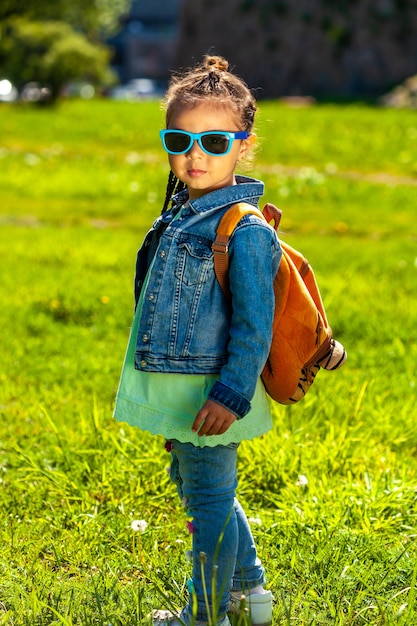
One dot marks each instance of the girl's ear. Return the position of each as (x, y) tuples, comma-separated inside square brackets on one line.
[(246, 146)]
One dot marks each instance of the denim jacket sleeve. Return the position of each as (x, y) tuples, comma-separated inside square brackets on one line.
[(254, 254)]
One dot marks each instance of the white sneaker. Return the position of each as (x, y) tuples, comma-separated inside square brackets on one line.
[(259, 605), (167, 618)]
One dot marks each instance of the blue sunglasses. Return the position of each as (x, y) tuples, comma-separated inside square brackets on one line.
[(215, 142)]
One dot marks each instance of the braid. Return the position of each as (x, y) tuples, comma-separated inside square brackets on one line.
[(172, 179), (180, 186), (173, 186)]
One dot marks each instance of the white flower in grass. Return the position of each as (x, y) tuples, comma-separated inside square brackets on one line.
[(255, 520), (139, 525), (302, 481)]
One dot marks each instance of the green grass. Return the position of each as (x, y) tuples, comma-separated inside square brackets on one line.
[(79, 187)]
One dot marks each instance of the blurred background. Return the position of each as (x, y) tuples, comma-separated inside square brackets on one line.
[(82, 177), (323, 49)]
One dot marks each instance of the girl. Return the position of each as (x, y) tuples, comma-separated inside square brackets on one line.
[(192, 368)]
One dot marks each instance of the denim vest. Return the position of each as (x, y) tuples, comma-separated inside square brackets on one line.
[(186, 325)]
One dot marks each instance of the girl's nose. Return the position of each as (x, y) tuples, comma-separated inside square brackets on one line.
[(194, 148)]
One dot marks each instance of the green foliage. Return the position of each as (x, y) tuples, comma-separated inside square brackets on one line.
[(91, 16), (79, 187), (51, 53)]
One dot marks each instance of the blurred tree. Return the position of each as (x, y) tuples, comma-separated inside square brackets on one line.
[(51, 53), (93, 17), (55, 42)]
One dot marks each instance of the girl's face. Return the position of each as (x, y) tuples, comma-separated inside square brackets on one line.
[(199, 171)]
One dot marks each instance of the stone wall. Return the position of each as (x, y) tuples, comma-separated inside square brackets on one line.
[(324, 48)]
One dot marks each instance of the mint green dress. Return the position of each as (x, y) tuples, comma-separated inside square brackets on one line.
[(166, 404)]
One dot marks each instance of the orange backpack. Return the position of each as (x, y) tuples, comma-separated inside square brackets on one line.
[(301, 336)]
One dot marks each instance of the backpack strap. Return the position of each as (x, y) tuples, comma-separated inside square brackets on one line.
[(225, 229)]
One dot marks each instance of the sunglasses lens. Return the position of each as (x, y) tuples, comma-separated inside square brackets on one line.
[(215, 143), (177, 142)]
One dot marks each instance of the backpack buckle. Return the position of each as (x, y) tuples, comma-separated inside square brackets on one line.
[(220, 247)]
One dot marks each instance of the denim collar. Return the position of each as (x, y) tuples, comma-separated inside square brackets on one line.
[(246, 190)]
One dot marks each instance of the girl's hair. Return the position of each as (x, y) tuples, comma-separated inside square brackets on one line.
[(208, 81)]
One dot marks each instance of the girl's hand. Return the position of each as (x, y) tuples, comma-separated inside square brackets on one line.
[(213, 418)]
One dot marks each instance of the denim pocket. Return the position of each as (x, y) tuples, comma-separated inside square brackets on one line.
[(194, 261)]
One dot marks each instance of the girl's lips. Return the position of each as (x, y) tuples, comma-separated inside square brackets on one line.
[(195, 173)]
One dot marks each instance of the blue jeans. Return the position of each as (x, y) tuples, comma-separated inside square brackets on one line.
[(206, 482)]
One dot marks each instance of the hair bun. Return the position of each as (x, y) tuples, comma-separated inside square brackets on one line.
[(215, 63)]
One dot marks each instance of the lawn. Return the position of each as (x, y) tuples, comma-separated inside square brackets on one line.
[(80, 185)]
